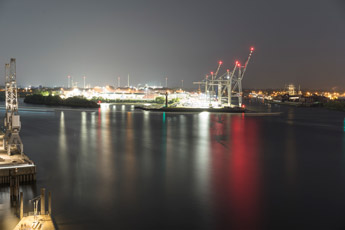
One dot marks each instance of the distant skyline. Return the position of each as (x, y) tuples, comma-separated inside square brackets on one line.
[(299, 42)]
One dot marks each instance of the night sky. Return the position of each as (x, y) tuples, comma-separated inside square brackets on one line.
[(296, 41)]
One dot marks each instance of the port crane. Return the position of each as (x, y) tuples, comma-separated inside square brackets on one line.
[(12, 142), (229, 84)]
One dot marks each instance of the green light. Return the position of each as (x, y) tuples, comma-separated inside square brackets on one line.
[(164, 118), (344, 124)]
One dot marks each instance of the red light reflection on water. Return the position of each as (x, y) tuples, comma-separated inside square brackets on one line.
[(234, 142), (220, 167), (244, 175)]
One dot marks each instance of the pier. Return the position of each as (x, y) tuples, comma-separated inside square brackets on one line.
[(39, 218), (16, 166)]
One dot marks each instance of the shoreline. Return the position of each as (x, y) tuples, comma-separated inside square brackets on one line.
[(190, 109)]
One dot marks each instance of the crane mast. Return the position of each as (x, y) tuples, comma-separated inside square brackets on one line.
[(12, 141), (230, 82)]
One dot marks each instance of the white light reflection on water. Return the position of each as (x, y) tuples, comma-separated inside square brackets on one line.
[(130, 161), (182, 135), (83, 133), (344, 140), (146, 139), (290, 150), (168, 143), (105, 155), (202, 160), (167, 158), (62, 147), (93, 128)]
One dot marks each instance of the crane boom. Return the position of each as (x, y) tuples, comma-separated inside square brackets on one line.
[(246, 64), (219, 64)]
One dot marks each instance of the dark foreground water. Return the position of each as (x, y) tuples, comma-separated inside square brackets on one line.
[(119, 168)]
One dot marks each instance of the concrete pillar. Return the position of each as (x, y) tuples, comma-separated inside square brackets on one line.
[(21, 205), (43, 203), (50, 203)]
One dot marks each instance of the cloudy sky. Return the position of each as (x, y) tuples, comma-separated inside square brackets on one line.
[(296, 41)]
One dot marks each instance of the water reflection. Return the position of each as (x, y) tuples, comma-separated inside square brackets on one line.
[(290, 156), (245, 173), (129, 161), (182, 135), (83, 133), (105, 156), (146, 139), (8, 212), (290, 116), (185, 171), (344, 140), (130, 138), (164, 141), (8, 219), (235, 170), (202, 161), (62, 147), (146, 131)]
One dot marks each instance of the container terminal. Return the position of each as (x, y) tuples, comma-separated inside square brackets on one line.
[(221, 92)]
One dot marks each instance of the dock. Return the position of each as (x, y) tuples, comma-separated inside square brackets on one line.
[(40, 218), (16, 165), (44, 222)]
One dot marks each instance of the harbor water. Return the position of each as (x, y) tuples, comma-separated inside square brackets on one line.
[(121, 168)]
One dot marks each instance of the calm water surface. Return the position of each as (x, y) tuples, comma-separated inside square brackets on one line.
[(120, 168)]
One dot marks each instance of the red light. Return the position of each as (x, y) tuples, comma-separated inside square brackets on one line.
[(211, 73), (251, 48), (220, 62), (243, 106), (238, 64), (227, 70), (99, 102)]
